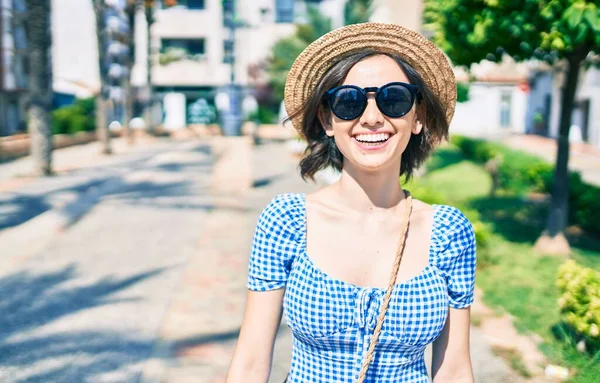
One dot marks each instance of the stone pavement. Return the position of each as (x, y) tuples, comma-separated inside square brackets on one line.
[(87, 307), (78, 170), (582, 157)]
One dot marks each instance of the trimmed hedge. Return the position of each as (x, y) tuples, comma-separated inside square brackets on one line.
[(580, 302), (521, 172), (78, 117)]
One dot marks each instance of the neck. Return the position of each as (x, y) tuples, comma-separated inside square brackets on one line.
[(365, 191)]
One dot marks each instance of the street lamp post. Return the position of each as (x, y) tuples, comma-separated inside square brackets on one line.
[(231, 116)]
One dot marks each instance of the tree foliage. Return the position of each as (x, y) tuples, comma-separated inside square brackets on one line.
[(357, 11), (554, 31), (286, 50), (547, 30)]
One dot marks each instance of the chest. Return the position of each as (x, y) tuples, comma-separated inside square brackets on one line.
[(324, 311), (361, 250)]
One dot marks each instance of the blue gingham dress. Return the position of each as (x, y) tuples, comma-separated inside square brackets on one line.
[(332, 321)]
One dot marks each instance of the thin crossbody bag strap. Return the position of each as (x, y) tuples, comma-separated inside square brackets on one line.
[(388, 295)]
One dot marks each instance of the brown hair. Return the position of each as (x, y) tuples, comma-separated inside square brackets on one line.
[(322, 151)]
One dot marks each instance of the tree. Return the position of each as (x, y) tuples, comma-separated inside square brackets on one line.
[(39, 41), (563, 33), (357, 11), (286, 50), (102, 100)]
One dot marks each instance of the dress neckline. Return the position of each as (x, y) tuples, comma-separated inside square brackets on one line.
[(424, 271)]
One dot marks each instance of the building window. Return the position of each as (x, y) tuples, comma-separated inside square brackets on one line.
[(189, 4), (505, 104), (284, 11), (190, 46)]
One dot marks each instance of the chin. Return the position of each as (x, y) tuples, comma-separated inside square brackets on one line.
[(375, 165)]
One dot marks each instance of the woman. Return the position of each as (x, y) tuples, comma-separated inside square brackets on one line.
[(365, 276)]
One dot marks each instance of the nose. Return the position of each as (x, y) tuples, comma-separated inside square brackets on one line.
[(372, 116)]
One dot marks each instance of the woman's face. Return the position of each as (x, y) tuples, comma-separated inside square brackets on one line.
[(351, 136)]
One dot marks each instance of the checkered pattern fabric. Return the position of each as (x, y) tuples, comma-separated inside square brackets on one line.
[(332, 321)]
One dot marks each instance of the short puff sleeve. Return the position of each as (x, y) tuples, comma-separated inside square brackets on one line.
[(457, 256), (275, 243)]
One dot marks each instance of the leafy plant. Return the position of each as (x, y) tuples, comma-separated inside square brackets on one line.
[(580, 302), (78, 117)]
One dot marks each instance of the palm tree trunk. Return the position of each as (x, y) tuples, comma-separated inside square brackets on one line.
[(102, 99), (132, 7), (39, 41), (150, 101)]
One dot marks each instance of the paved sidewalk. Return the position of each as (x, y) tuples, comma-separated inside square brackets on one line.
[(87, 307), (79, 156), (78, 169), (582, 157)]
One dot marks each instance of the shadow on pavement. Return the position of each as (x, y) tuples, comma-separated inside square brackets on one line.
[(31, 353), (266, 181), (220, 337), (17, 208), (20, 207)]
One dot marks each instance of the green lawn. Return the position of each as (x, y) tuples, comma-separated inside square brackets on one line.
[(519, 282)]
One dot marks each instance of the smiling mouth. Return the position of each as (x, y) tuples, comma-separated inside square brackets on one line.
[(372, 139)]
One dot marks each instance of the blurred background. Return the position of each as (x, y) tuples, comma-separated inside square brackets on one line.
[(140, 140)]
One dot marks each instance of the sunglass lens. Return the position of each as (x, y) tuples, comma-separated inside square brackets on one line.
[(348, 103), (395, 100)]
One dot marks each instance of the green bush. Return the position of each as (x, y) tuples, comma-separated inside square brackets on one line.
[(78, 117), (521, 172), (475, 149), (580, 302), (518, 171), (462, 91), (584, 204)]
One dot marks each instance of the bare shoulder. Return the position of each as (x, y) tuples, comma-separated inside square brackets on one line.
[(422, 213)]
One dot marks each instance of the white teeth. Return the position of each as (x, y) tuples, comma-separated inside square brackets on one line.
[(372, 137)]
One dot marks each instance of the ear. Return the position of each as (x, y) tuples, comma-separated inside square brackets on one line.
[(325, 120), (418, 117)]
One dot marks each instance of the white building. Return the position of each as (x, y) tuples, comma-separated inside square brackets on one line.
[(585, 120), (74, 49), (497, 103), (188, 48)]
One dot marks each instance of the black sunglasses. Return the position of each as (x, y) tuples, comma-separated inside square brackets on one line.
[(394, 100)]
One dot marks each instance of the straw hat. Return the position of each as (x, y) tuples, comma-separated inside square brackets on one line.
[(412, 47)]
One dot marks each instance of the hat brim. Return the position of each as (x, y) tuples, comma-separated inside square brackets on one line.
[(420, 53)]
